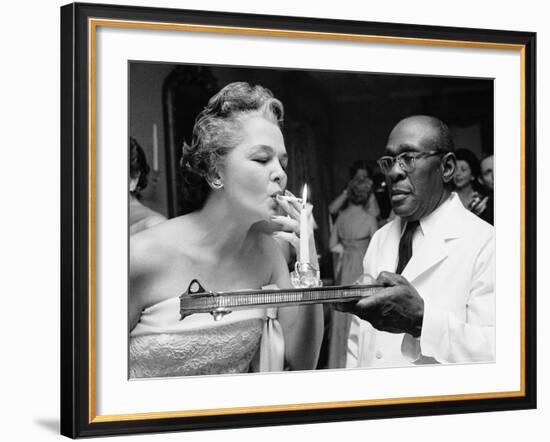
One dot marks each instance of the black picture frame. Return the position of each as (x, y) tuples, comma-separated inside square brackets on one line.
[(78, 251)]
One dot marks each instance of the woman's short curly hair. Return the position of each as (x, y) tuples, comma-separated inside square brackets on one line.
[(471, 159), (138, 165), (216, 131), (359, 165)]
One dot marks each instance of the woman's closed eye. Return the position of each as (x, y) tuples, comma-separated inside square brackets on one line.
[(283, 162), (262, 160)]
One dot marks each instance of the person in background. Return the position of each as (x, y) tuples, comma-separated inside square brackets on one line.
[(487, 172), (360, 170), (435, 261), (141, 217), (487, 179), (467, 182), (353, 230)]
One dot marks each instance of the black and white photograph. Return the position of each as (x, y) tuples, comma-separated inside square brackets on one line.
[(274, 221), (289, 220)]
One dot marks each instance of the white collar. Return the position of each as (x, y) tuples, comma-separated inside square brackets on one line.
[(437, 220)]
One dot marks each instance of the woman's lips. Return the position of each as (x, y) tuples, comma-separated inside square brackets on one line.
[(459, 180)]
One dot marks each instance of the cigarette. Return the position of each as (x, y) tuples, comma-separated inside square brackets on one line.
[(289, 197)]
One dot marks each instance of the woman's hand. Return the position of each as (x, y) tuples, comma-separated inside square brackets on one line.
[(478, 204), (289, 225), (338, 249)]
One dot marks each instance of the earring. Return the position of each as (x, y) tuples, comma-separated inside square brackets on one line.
[(216, 184)]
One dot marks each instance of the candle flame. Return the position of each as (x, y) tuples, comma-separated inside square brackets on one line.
[(304, 196)]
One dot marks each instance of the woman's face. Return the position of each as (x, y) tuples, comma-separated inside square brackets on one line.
[(463, 175), (361, 174), (253, 172)]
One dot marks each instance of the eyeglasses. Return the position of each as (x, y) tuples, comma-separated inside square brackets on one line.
[(406, 160)]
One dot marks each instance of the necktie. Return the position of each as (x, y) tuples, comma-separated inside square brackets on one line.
[(405, 245)]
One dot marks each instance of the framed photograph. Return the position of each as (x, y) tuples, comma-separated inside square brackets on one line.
[(274, 220)]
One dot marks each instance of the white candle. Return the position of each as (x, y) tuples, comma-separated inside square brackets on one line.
[(304, 230), (155, 149)]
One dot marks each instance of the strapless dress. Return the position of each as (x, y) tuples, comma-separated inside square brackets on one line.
[(162, 345)]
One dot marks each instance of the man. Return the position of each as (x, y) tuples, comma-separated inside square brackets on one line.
[(487, 172), (487, 180), (435, 259)]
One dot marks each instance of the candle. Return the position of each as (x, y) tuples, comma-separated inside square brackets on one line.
[(304, 230), (155, 149)]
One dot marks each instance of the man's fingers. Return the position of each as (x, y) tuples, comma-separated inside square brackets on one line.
[(346, 307), (365, 279), (371, 302), (363, 307), (389, 279)]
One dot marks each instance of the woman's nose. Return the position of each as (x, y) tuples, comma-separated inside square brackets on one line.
[(279, 174)]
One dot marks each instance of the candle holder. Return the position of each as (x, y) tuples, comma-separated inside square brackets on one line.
[(305, 276)]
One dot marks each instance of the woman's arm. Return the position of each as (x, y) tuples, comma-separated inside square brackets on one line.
[(302, 326), (335, 206), (334, 240)]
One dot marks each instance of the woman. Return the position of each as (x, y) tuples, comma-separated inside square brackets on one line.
[(466, 182), (353, 230), (233, 174), (141, 216), (359, 170)]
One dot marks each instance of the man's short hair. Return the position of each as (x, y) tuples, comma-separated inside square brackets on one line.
[(443, 140)]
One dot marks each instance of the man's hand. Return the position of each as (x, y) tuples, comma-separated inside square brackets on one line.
[(397, 308)]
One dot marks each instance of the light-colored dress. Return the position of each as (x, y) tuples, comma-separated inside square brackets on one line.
[(353, 229), (162, 345)]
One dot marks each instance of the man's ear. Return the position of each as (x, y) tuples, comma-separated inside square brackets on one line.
[(448, 167)]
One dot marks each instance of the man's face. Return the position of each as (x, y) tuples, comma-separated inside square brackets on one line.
[(487, 172), (419, 192)]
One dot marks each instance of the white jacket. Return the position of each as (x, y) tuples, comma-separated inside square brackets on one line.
[(453, 270)]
